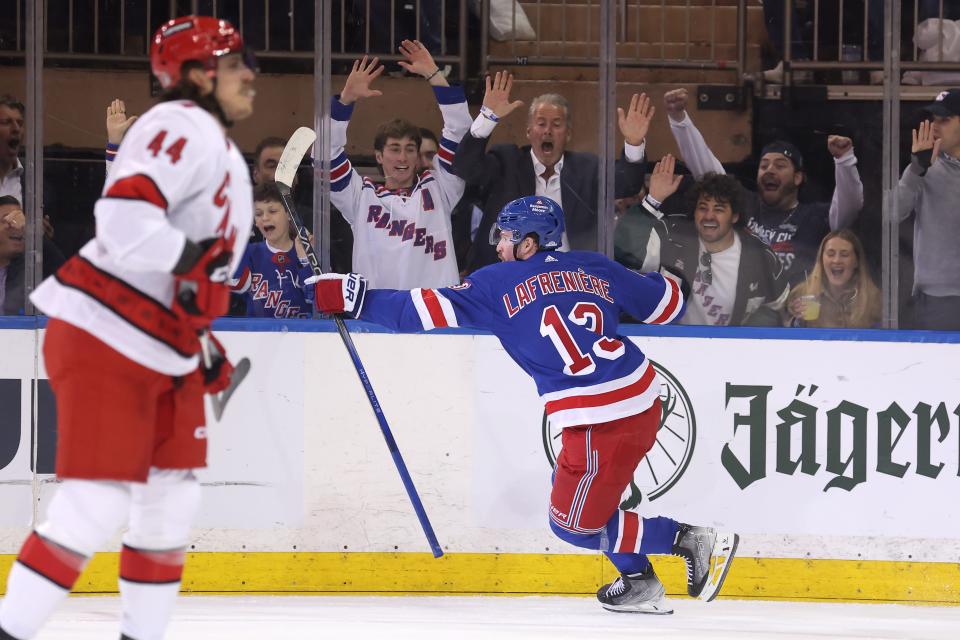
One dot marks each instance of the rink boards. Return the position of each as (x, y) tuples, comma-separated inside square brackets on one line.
[(835, 455)]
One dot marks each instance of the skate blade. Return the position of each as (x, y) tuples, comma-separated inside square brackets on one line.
[(723, 551), (660, 608)]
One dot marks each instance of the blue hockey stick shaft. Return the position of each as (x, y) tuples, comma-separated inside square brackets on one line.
[(304, 240)]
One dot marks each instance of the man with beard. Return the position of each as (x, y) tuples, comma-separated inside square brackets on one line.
[(793, 229), (545, 167), (733, 278), (11, 136)]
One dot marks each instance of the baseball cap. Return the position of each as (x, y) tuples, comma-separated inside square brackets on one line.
[(946, 104), (787, 149)]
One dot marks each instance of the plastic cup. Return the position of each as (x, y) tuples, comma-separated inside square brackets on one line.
[(811, 307)]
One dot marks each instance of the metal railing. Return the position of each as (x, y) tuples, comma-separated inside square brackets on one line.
[(275, 29), (624, 21), (874, 12)]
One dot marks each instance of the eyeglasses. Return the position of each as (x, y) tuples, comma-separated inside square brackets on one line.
[(706, 274)]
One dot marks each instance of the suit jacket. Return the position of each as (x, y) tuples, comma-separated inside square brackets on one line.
[(506, 171), (15, 298)]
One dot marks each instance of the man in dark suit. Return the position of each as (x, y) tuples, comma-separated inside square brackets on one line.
[(12, 260), (544, 167)]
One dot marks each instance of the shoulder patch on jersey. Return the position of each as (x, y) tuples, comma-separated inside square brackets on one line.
[(463, 285)]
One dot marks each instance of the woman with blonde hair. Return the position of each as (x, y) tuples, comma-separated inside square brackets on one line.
[(840, 291)]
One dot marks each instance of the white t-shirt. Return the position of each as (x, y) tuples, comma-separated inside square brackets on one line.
[(712, 304)]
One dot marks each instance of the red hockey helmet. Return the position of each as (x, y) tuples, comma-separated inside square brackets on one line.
[(199, 38)]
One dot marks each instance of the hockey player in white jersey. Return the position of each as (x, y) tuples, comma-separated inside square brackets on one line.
[(402, 234), (122, 344)]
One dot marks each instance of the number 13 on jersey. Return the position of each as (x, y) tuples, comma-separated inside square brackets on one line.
[(584, 314)]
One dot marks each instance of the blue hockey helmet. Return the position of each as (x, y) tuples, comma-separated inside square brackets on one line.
[(531, 214)]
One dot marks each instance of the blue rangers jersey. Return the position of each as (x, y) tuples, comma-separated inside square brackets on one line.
[(271, 282), (556, 315), (402, 238)]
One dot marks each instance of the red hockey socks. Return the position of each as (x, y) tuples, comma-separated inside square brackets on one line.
[(149, 583), (39, 581)]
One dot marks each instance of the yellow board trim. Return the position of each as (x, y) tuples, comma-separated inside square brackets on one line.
[(529, 574)]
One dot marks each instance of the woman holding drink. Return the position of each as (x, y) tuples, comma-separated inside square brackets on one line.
[(840, 291)]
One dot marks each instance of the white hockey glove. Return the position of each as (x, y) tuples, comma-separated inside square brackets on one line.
[(337, 293)]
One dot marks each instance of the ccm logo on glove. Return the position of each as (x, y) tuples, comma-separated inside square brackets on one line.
[(337, 293)]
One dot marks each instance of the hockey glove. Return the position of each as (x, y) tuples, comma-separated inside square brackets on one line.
[(200, 291), (216, 373), (337, 293)]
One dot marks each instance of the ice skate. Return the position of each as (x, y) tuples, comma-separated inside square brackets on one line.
[(639, 593), (708, 555)]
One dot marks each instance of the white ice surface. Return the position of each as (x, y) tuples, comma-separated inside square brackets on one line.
[(469, 618)]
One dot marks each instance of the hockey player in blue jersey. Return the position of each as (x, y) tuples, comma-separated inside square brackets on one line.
[(271, 275), (556, 315)]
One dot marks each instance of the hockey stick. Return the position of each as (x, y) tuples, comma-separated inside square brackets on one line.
[(240, 371), (297, 147)]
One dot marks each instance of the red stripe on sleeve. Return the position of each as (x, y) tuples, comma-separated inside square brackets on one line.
[(434, 308), (603, 399), (138, 187), (55, 563), (157, 567), (242, 282), (674, 293), (340, 171), (631, 528)]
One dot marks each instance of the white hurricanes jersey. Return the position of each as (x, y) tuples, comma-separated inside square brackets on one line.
[(402, 239), (176, 177)]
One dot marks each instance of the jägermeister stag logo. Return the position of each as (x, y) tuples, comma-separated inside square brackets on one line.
[(670, 454)]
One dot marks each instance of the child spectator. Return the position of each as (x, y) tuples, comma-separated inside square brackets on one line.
[(271, 273), (840, 291)]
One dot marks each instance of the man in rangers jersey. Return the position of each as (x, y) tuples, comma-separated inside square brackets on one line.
[(556, 315), (402, 234), (121, 347)]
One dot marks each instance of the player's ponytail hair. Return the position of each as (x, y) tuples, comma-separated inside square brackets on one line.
[(184, 89)]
